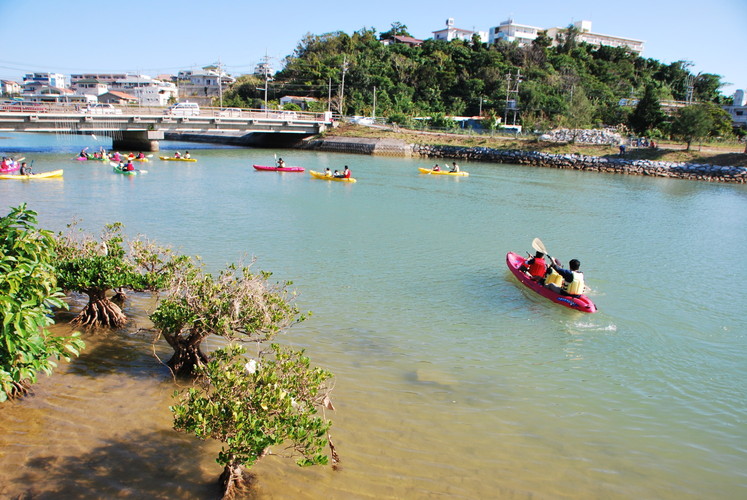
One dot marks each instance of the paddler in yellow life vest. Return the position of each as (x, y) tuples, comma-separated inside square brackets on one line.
[(573, 278)]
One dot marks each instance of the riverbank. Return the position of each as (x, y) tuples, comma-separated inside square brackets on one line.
[(596, 158)]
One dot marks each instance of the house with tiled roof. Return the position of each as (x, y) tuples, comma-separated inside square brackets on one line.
[(407, 40), (117, 97)]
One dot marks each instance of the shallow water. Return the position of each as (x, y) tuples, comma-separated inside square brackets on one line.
[(451, 379)]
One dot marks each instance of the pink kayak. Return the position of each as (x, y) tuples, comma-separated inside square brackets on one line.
[(278, 169), (581, 303), (13, 168)]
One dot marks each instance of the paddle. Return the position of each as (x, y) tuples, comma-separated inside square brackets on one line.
[(540, 247)]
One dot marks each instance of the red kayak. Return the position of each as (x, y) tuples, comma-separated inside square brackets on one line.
[(581, 303), (278, 169)]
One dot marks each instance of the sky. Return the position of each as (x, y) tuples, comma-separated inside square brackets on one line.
[(165, 36)]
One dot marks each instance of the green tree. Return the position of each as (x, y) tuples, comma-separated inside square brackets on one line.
[(237, 305), (692, 123), (94, 267), (250, 406), (647, 114), (397, 29), (28, 292)]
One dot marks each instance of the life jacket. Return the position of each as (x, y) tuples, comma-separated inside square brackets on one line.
[(554, 279), (575, 287), (347, 174), (538, 267)]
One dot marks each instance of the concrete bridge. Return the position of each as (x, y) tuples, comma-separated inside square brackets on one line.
[(140, 129)]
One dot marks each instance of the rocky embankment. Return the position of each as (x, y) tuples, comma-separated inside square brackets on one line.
[(615, 165)]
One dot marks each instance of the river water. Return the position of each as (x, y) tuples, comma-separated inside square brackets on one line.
[(452, 380)]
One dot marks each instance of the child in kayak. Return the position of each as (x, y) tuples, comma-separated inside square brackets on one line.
[(346, 172), (536, 266)]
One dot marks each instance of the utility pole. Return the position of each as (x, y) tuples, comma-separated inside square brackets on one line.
[(220, 82), (266, 71), (342, 87), (512, 96)]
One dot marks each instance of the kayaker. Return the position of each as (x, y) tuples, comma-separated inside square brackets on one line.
[(328, 172), (346, 172), (186, 155), (454, 167), (177, 155), (535, 266), (140, 155), (552, 279), (436, 168), (573, 278), (24, 169), (337, 174), (281, 163), (129, 167)]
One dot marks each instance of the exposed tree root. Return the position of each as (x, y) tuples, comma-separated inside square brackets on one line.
[(101, 312), (234, 481)]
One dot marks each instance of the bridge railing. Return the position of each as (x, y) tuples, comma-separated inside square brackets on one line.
[(226, 112)]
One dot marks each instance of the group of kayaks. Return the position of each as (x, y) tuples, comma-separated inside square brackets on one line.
[(327, 177)]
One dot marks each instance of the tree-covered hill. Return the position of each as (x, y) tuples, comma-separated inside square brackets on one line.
[(572, 84)]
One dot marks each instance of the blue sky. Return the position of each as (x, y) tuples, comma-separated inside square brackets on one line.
[(165, 36)]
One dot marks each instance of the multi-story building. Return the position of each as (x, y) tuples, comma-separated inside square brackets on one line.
[(9, 88), (46, 79), (148, 91), (738, 109), (524, 34), (203, 86), (89, 86), (586, 35), (510, 31), (451, 33)]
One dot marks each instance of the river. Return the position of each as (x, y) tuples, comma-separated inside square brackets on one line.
[(452, 380)]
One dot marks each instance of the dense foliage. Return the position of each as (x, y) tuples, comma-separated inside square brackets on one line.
[(571, 84), (28, 292), (252, 405), (95, 267), (237, 304)]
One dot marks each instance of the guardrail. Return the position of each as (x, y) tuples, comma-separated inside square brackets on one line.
[(226, 112)]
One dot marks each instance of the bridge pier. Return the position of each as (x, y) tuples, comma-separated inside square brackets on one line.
[(144, 140)]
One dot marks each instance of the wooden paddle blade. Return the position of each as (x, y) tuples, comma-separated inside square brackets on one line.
[(539, 246)]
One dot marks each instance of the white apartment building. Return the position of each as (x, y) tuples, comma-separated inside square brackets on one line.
[(738, 110), (524, 34), (586, 35), (148, 91), (46, 79), (510, 31), (451, 33)]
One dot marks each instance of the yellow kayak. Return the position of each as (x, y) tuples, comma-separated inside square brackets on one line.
[(41, 175), (321, 175), (171, 158), (442, 172)]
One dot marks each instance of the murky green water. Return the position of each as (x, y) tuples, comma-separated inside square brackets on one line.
[(452, 380)]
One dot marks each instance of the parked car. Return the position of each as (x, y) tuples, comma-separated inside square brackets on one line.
[(23, 107), (229, 112), (100, 108), (183, 109)]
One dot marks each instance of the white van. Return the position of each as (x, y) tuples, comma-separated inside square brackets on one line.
[(183, 109)]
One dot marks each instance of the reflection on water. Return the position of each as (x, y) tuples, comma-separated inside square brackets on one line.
[(452, 380)]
